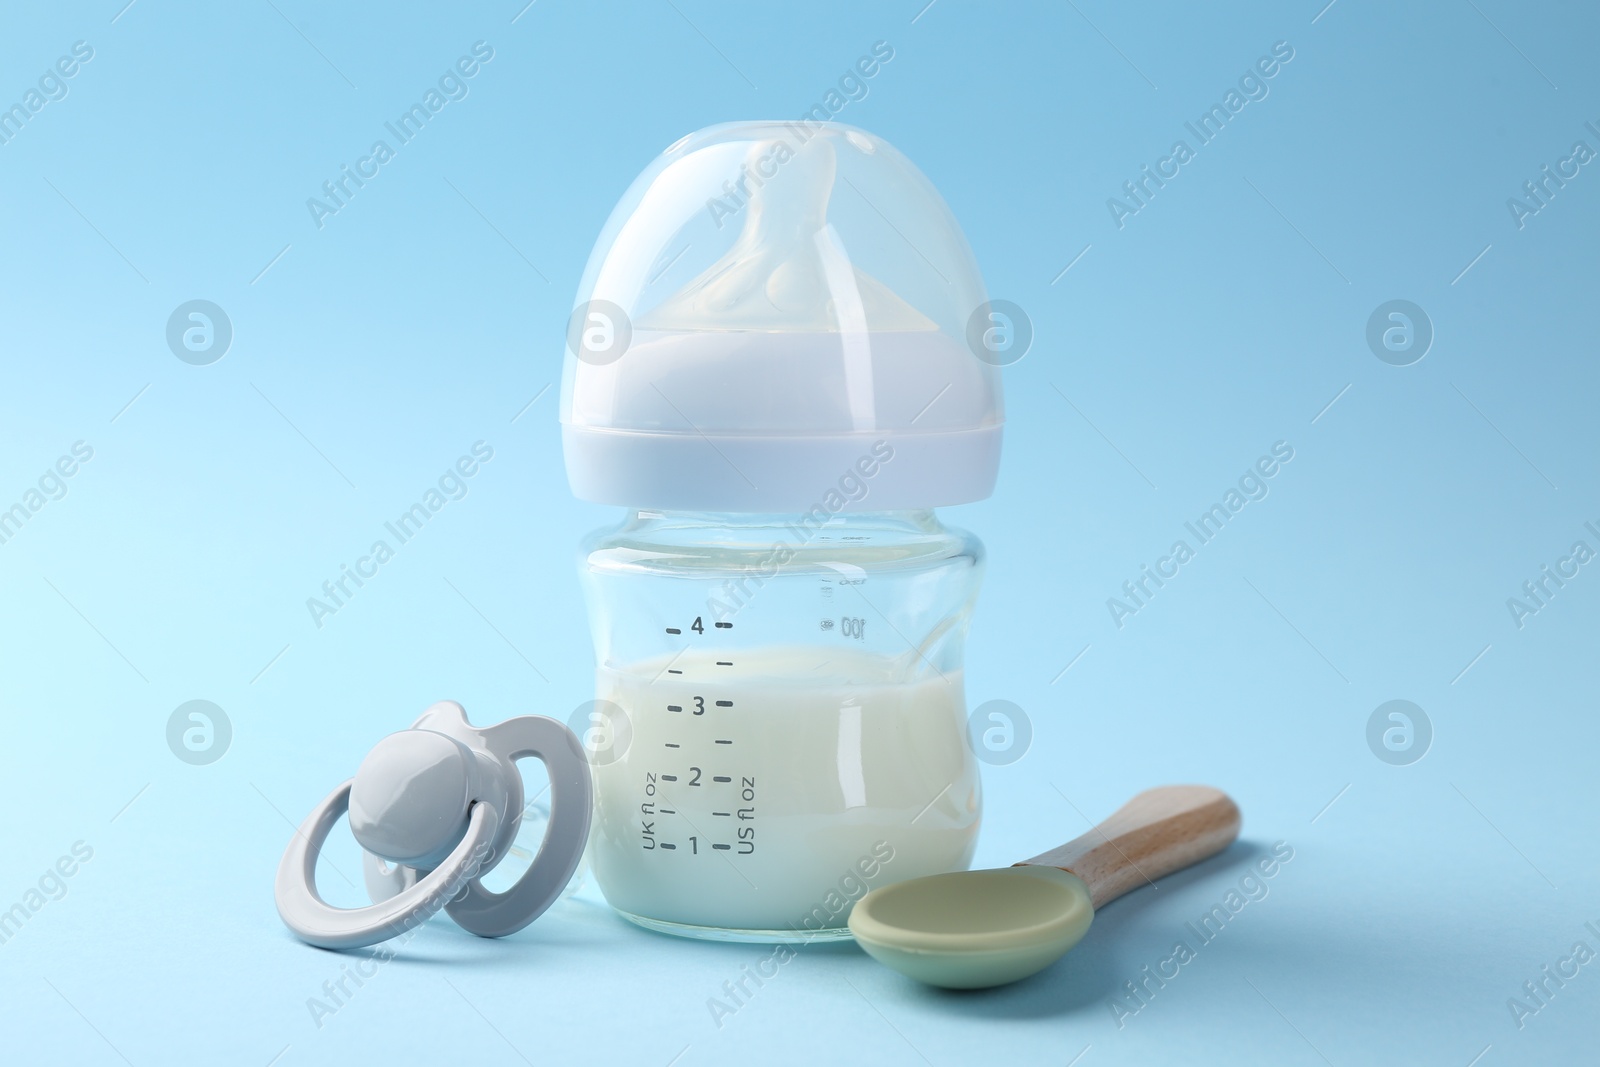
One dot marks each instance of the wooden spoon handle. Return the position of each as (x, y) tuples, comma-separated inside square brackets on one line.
[(1157, 832)]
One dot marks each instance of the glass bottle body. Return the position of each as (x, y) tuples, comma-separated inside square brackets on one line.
[(783, 698)]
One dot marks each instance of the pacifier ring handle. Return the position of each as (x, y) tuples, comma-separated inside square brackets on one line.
[(490, 914), (319, 923)]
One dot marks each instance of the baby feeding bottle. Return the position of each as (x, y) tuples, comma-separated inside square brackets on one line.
[(769, 368)]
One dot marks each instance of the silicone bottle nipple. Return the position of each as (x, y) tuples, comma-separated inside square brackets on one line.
[(787, 270)]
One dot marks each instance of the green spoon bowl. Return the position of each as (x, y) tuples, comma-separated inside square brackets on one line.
[(974, 929)]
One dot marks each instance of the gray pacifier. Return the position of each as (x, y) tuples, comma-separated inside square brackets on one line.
[(435, 807)]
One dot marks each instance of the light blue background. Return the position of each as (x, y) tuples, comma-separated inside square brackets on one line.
[(1223, 317)]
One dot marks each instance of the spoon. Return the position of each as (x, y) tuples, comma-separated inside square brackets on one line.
[(976, 929)]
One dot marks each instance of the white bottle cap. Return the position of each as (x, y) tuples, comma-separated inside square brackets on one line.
[(777, 316)]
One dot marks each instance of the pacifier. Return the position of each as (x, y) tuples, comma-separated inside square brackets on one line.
[(434, 808)]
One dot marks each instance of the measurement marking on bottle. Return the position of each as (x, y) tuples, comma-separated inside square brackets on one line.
[(669, 777), (724, 703), (722, 848), (671, 671), (674, 744), (724, 662), (673, 630), (720, 741), (667, 811), (714, 778), (674, 707), (666, 845), (725, 814), (724, 625)]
